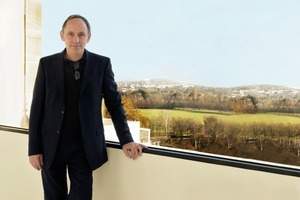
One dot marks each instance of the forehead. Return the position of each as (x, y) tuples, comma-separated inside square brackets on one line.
[(76, 25)]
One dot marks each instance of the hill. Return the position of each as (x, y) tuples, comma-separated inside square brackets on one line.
[(256, 90)]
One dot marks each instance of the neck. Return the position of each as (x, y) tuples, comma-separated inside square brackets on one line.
[(73, 57)]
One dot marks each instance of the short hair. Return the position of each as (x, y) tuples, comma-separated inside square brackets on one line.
[(80, 17)]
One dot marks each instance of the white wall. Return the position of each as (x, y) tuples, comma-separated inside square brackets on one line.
[(12, 80), (11, 62), (19, 181), (13, 101), (150, 177)]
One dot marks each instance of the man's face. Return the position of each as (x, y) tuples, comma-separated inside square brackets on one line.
[(75, 35)]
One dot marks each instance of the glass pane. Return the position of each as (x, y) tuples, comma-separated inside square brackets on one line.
[(219, 77)]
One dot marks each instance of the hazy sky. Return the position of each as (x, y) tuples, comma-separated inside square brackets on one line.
[(217, 43)]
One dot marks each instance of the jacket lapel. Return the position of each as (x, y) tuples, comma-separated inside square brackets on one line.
[(59, 69), (85, 73)]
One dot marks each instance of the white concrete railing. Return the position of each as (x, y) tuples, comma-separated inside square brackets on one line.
[(151, 177)]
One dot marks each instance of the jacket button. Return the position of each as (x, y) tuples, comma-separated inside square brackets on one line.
[(57, 132), (62, 112)]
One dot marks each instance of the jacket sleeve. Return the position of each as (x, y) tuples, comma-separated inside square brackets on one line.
[(36, 113), (113, 102)]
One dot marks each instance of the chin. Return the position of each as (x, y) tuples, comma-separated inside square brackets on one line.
[(76, 50)]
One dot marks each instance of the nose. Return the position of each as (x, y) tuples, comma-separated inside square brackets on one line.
[(75, 38)]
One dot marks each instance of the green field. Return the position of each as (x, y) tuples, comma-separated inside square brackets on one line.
[(226, 117)]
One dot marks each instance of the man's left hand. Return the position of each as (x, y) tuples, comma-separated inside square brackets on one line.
[(133, 150)]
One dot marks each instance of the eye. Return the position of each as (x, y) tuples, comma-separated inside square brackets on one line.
[(81, 34), (70, 34)]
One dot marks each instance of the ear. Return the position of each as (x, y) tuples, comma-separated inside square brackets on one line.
[(62, 35), (89, 37)]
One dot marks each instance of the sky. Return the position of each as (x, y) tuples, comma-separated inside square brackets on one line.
[(215, 43)]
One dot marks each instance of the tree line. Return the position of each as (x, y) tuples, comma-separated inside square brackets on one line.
[(213, 99), (262, 141)]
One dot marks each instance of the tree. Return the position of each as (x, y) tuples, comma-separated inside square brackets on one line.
[(246, 104), (166, 120), (212, 128), (131, 112)]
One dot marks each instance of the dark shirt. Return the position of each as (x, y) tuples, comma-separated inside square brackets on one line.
[(71, 123)]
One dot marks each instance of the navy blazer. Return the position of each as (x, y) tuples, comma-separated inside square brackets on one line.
[(48, 104)]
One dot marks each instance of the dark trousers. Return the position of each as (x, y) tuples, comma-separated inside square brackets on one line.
[(69, 157)]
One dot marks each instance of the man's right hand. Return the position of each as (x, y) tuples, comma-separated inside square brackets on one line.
[(36, 161)]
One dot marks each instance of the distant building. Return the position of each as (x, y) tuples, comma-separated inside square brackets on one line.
[(140, 135)]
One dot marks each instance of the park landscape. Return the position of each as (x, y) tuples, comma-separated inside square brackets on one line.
[(252, 122), (269, 137)]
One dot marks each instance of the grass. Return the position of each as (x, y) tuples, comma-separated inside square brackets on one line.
[(226, 117)]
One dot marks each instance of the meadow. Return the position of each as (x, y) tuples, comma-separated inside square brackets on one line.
[(223, 116)]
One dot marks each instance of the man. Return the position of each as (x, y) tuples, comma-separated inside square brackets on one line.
[(66, 129)]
